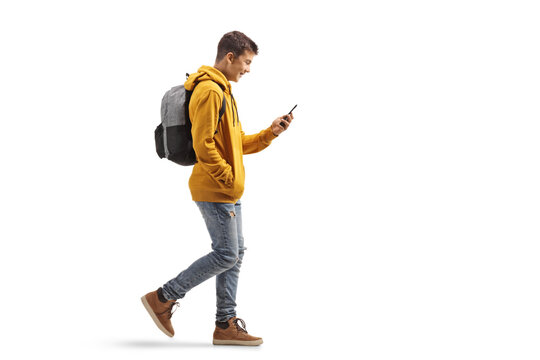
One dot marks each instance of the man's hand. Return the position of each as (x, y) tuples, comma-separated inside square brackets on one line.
[(281, 124)]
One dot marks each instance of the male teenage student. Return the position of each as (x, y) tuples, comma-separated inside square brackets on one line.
[(217, 184)]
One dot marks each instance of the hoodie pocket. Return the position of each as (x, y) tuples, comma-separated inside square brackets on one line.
[(229, 182)]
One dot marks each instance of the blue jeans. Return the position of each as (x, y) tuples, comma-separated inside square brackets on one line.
[(224, 223)]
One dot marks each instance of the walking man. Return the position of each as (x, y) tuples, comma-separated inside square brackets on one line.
[(216, 185)]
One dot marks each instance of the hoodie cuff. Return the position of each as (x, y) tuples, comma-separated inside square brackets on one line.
[(268, 135)]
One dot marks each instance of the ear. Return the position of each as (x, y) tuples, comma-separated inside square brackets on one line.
[(230, 57)]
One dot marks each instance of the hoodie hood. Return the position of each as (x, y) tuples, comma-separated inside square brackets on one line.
[(208, 73)]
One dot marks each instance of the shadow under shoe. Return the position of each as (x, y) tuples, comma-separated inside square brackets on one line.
[(233, 332), (160, 312)]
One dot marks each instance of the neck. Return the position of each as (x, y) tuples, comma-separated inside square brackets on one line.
[(221, 67)]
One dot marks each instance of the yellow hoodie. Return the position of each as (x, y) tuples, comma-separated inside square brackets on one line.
[(218, 175)]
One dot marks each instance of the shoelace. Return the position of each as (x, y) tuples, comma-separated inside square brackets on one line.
[(170, 309), (239, 327)]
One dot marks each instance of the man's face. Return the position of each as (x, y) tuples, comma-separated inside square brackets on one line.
[(240, 65)]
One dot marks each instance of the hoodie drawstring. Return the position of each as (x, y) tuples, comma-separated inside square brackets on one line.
[(235, 109)]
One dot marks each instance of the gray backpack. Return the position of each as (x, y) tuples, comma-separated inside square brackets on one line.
[(173, 135)]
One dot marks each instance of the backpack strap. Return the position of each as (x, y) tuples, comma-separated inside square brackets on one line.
[(221, 111)]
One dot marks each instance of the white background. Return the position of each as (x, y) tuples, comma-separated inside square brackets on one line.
[(398, 218)]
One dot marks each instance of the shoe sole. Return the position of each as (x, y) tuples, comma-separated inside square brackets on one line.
[(238, 342), (154, 317)]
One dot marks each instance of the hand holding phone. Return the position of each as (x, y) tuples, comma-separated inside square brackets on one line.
[(290, 112)]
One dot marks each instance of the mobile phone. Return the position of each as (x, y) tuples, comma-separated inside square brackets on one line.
[(290, 112)]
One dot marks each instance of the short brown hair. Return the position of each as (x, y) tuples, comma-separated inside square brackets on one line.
[(235, 42)]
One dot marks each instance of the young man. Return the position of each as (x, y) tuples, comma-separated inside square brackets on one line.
[(217, 184)]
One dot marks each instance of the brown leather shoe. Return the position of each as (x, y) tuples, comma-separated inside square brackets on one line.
[(160, 312), (233, 332)]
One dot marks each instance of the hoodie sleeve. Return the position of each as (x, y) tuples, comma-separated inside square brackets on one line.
[(204, 115), (254, 143)]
